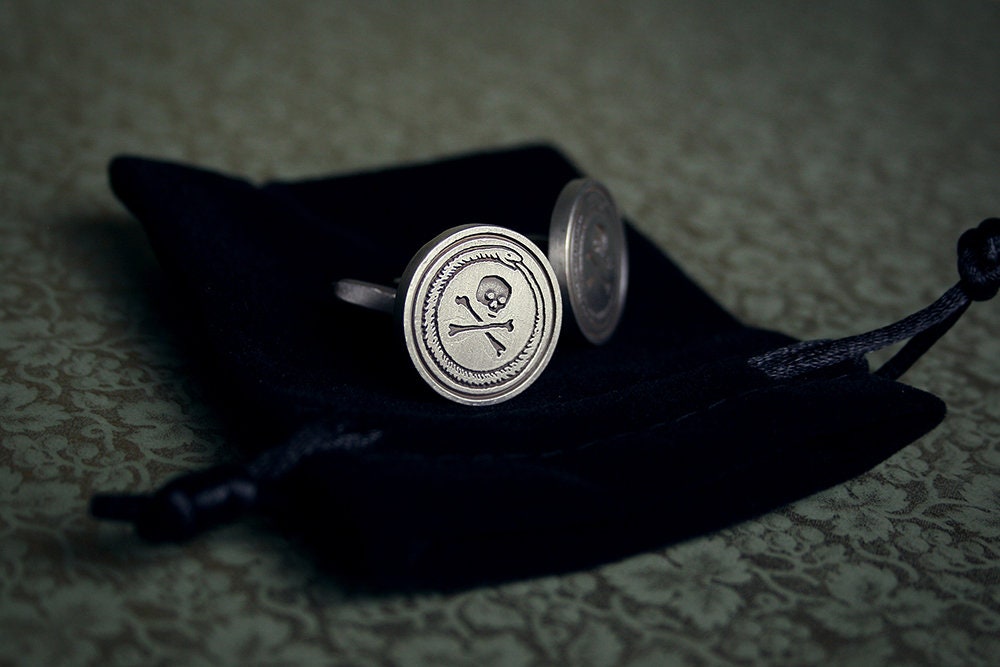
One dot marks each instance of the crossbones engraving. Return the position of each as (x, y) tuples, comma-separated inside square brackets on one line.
[(459, 328), (494, 293)]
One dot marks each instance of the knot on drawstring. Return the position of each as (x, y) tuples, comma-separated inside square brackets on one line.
[(979, 260), (979, 272), (185, 506), (197, 501)]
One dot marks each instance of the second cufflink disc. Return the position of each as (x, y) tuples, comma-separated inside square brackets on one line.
[(588, 253)]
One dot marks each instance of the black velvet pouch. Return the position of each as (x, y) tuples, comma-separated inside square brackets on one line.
[(663, 433)]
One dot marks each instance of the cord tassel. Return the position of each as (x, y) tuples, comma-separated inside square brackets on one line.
[(979, 273), (197, 501), (185, 506)]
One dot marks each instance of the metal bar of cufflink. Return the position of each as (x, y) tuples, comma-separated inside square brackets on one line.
[(480, 310)]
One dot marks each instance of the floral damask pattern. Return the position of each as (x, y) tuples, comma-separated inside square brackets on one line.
[(810, 165)]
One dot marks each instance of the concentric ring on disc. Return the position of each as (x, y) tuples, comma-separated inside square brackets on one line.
[(481, 313), (588, 253)]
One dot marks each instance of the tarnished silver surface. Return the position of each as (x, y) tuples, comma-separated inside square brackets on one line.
[(480, 309), (589, 256)]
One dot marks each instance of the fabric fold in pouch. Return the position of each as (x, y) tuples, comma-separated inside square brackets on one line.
[(672, 429)]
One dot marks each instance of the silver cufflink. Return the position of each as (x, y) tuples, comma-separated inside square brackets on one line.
[(481, 306), (480, 311), (588, 253)]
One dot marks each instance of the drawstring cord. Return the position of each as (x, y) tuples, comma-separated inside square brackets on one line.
[(183, 507), (197, 501), (979, 280)]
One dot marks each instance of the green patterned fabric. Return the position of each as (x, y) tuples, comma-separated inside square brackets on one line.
[(810, 164)]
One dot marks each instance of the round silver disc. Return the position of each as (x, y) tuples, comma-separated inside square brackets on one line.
[(481, 313), (588, 253)]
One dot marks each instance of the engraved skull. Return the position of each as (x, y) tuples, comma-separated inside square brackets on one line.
[(493, 292)]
